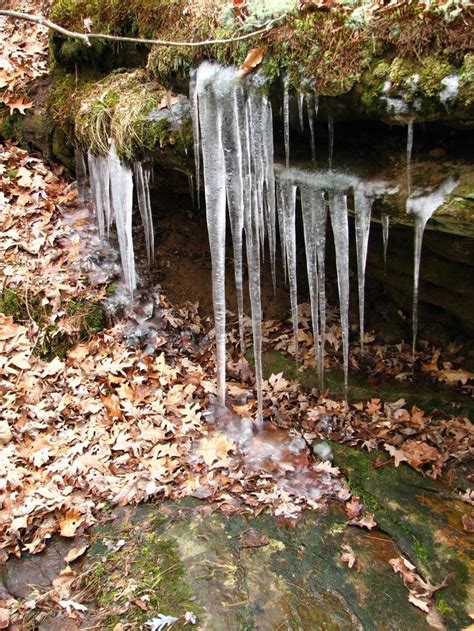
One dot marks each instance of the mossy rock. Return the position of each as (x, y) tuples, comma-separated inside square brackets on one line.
[(418, 514), (243, 572)]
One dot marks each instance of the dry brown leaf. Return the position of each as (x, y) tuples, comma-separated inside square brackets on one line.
[(348, 556), (70, 522), (253, 59), (75, 553), (215, 450), (419, 453)]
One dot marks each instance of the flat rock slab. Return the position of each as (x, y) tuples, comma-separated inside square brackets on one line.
[(237, 572)]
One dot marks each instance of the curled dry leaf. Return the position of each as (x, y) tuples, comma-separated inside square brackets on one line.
[(253, 59), (75, 553), (348, 556)]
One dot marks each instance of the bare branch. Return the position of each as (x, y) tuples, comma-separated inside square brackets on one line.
[(86, 37)]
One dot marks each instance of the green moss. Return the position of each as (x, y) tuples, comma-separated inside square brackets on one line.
[(147, 566)]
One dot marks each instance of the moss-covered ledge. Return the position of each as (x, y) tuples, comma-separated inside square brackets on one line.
[(142, 118), (389, 65)]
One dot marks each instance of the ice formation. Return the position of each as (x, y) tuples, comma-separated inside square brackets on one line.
[(142, 175), (422, 204)]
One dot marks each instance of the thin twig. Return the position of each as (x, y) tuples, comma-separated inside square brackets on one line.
[(86, 37)]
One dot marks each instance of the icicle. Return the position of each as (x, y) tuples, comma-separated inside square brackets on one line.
[(269, 182), (192, 194), (99, 176), (121, 187), (363, 210), (314, 211), (196, 137), (338, 212), (142, 183), (409, 153), (81, 177), (331, 140), (286, 118), (316, 105), (301, 109), (210, 115), (287, 196), (385, 217), (310, 108), (422, 204), (233, 117)]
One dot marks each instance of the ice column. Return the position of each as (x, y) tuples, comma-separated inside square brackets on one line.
[(142, 182), (99, 177), (363, 210), (422, 204), (340, 228), (121, 187)]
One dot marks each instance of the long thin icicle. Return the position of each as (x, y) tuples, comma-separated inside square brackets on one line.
[(340, 228), (286, 118), (363, 210), (288, 199), (142, 183), (121, 187), (301, 109), (81, 176), (409, 154), (422, 204), (310, 109), (385, 218), (331, 140)]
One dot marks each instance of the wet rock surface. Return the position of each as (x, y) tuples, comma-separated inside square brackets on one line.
[(239, 572)]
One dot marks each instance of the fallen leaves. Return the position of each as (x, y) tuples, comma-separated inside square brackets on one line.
[(70, 522), (215, 451), (420, 591)]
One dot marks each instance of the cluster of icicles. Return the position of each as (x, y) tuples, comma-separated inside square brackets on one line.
[(112, 186), (233, 133)]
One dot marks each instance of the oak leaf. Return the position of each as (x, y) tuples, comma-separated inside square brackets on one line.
[(253, 59)]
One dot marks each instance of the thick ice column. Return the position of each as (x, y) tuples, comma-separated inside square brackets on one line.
[(338, 212), (287, 199), (100, 189), (363, 210), (142, 183), (210, 116), (314, 224), (233, 118), (121, 187), (193, 97)]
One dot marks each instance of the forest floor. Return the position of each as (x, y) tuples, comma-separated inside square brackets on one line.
[(106, 404)]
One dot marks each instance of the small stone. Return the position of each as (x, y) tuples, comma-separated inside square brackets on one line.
[(322, 450), (5, 433)]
